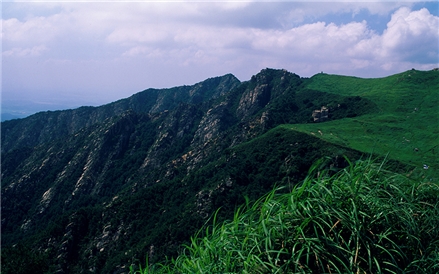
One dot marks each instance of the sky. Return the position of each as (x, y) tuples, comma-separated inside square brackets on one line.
[(60, 54)]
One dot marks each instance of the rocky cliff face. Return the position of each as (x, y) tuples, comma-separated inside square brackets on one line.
[(49, 126), (95, 187)]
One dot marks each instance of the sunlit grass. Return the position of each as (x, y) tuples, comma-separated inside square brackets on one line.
[(364, 219), (405, 127)]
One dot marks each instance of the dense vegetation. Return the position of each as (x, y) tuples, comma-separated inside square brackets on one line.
[(98, 189), (363, 219)]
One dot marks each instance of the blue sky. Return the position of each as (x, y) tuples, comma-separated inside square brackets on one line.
[(58, 55)]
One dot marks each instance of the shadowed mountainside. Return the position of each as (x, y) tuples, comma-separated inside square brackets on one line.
[(94, 189)]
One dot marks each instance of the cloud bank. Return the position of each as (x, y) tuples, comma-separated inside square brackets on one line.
[(106, 51)]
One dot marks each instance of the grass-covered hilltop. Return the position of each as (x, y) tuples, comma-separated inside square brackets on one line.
[(406, 124), (277, 174)]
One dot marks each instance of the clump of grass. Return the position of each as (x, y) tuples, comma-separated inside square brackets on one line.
[(363, 219)]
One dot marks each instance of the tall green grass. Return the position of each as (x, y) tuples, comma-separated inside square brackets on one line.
[(363, 219)]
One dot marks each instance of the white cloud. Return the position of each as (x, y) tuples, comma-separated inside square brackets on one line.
[(20, 52), (147, 52), (143, 34), (137, 45), (411, 36), (325, 40), (36, 29)]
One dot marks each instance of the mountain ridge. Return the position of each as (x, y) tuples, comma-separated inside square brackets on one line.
[(85, 116), (95, 187)]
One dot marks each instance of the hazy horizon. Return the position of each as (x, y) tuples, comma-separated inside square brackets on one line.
[(61, 55)]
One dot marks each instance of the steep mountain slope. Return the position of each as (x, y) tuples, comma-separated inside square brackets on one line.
[(48, 126), (95, 189)]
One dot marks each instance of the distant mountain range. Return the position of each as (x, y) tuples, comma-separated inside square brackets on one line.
[(8, 116), (95, 189)]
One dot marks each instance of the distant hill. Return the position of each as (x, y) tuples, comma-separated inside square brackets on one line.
[(95, 189), (9, 116)]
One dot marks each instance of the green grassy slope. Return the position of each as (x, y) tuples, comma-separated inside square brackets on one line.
[(406, 125), (361, 220)]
